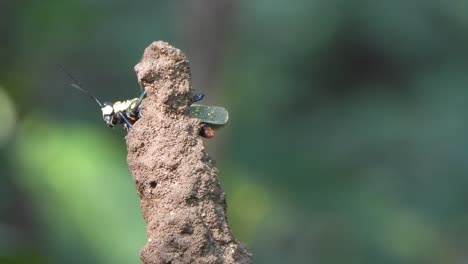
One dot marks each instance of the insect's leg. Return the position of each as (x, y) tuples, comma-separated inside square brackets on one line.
[(206, 131), (135, 110), (198, 97), (143, 95), (125, 119), (137, 105)]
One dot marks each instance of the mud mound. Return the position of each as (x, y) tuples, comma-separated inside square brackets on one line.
[(181, 199)]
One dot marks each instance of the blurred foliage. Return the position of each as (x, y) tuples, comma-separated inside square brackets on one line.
[(9, 117), (79, 189), (346, 144)]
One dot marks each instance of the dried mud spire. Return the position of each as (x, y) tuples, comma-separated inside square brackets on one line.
[(181, 199)]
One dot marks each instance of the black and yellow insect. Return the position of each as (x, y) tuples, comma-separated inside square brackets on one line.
[(127, 112)]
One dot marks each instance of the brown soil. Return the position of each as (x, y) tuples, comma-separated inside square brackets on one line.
[(181, 198)]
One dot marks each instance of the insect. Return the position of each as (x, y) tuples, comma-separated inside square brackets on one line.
[(127, 112)]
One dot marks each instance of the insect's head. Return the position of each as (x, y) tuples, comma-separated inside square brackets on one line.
[(108, 114)]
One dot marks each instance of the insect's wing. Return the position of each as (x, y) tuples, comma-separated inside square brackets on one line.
[(209, 114)]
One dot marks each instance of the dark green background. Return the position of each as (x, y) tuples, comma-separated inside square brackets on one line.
[(347, 141)]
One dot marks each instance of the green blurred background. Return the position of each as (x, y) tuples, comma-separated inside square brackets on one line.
[(347, 141)]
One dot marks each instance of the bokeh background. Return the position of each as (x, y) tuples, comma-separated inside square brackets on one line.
[(347, 143)]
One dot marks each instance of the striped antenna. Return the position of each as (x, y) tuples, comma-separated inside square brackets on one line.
[(77, 85)]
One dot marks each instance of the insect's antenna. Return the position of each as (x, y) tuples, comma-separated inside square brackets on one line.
[(77, 85)]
